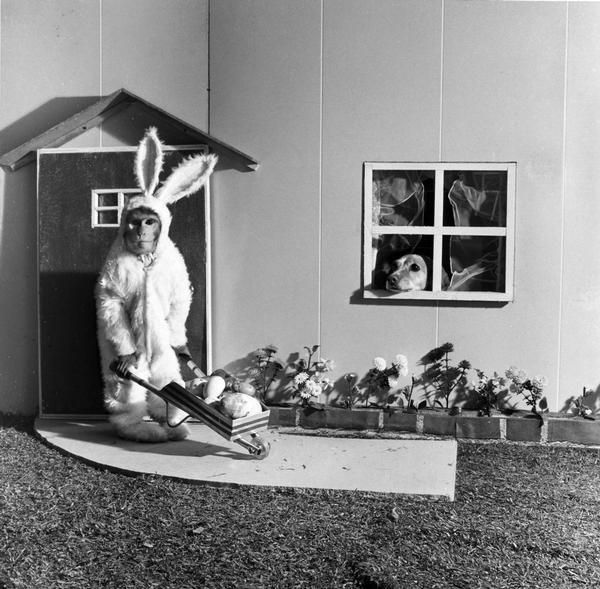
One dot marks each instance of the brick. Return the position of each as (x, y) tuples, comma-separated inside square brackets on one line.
[(399, 421), (576, 430), (478, 427)]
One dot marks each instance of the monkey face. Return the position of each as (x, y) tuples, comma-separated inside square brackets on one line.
[(142, 229)]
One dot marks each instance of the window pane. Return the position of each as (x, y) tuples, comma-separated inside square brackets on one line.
[(108, 199), (475, 198), (108, 217), (402, 263), (475, 263), (403, 197)]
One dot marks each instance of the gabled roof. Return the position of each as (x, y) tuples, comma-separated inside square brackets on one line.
[(98, 112)]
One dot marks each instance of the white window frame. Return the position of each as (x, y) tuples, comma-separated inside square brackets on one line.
[(372, 231), (96, 209)]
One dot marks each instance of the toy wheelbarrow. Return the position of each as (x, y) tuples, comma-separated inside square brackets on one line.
[(233, 430)]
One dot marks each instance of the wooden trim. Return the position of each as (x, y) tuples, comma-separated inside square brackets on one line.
[(68, 129), (94, 115), (441, 231), (438, 231), (208, 267)]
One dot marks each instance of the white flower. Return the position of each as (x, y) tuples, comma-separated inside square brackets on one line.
[(311, 389), (300, 378), (539, 382), (516, 375), (326, 383), (402, 364), (379, 363), (392, 382)]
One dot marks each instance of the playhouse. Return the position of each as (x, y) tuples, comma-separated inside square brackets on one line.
[(81, 195)]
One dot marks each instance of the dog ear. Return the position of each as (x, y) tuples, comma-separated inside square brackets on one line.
[(429, 264), (429, 284)]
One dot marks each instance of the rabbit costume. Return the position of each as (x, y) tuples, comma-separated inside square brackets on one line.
[(143, 297)]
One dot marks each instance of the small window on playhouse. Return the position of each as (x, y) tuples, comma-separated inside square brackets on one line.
[(107, 205), (439, 231)]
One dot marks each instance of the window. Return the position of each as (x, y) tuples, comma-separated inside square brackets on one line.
[(107, 205), (439, 231)]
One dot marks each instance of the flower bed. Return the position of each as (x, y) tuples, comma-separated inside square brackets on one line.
[(441, 401), (519, 426)]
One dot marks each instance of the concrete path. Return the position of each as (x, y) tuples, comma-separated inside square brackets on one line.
[(405, 466)]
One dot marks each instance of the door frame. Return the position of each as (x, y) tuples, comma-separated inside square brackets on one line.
[(207, 263)]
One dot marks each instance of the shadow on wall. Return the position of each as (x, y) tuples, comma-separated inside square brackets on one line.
[(18, 295), (592, 400), (41, 119), (279, 391)]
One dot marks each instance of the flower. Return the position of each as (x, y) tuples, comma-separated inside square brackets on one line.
[(329, 365), (308, 380), (401, 365), (310, 389), (379, 363), (300, 378), (517, 375), (326, 383)]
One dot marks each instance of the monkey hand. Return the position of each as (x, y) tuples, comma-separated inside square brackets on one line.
[(183, 352), (127, 362)]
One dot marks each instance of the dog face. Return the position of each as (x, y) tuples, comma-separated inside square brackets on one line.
[(407, 273)]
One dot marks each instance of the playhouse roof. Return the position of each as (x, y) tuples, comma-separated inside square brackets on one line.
[(98, 112)]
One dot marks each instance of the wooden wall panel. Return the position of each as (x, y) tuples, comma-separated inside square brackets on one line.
[(580, 317), (381, 75), (159, 51), (265, 93), (50, 69), (503, 101)]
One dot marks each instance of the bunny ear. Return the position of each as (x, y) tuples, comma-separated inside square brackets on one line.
[(149, 161), (187, 178)]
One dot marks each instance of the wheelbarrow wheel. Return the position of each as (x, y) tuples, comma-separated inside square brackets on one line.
[(261, 448)]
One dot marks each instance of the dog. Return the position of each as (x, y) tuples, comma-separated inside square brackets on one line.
[(408, 273)]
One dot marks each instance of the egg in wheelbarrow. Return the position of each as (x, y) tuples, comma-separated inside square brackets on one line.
[(237, 405)]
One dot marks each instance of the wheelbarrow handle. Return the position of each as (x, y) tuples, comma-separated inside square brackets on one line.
[(195, 369)]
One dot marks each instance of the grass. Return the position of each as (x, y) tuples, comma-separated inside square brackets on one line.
[(524, 516)]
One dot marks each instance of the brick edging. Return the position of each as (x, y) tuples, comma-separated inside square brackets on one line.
[(521, 427)]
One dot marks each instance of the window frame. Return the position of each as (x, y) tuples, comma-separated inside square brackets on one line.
[(96, 208), (438, 231)]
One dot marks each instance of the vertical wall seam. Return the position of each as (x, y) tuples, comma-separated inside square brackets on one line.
[(441, 105), (320, 189), (441, 117), (0, 48), (563, 206), (101, 61), (208, 72)]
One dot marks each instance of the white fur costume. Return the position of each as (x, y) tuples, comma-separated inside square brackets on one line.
[(143, 302)]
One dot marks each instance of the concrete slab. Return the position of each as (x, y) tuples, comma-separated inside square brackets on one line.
[(404, 466)]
